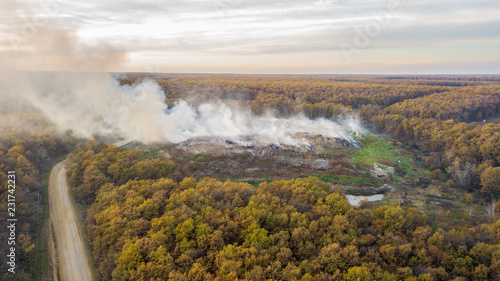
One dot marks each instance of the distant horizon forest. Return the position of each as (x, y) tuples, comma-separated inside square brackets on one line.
[(160, 213)]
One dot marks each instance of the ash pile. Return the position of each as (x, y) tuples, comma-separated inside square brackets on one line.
[(296, 144)]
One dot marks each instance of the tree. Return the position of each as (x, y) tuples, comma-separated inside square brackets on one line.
[(15, 151), (93, 179), (338, 204), (198, 273), (490, 181), (462, 173), (358, 273), (481, 272), (127, 262)]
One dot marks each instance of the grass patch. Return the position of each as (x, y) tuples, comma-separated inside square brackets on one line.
[(381, 150), (151, 153), (376, 150), (338, 153), (350, 180)]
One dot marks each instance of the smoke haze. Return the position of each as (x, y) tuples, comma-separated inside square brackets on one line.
[(75, 94)]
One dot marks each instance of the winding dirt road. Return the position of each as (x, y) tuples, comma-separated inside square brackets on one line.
[(71, 259)]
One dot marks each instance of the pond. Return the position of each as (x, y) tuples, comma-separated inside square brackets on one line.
[(354, 200)]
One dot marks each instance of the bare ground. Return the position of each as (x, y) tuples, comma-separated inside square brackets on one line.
[(69, 258)]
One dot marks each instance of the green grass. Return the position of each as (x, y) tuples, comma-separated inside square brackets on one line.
[(381, 150), (151, 153), (350, 180), (376, 150), (336, 152)]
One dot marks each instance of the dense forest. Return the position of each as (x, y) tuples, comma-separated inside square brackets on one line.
[(154, 214), (298, 229), (31, 154), (151, 220)]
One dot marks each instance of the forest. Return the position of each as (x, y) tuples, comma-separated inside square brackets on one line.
[(158, 213), (31, 154), (297, 229)]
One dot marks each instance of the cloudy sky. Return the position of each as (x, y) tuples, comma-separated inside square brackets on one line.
[(257, 36)]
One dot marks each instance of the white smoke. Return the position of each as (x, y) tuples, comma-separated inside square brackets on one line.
[(95, 104), (183, 122), (77, 95)]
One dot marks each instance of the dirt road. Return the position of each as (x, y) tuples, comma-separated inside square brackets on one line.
[(71, 261)]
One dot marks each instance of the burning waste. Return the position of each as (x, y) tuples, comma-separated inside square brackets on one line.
[(260, 145)]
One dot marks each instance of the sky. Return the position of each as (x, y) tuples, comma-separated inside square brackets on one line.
[(254, 37)]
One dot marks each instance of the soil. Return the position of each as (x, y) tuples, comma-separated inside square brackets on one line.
[(69, 258)]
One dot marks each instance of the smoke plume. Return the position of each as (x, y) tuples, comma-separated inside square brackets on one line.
[(71, 90)]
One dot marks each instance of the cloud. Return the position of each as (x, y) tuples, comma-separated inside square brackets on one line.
[(262, 28)]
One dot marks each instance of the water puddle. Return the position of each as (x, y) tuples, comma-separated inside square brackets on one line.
[(354, 200)]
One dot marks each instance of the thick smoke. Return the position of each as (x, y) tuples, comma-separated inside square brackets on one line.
[(95, 104), (77, 96), (183, 122)]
